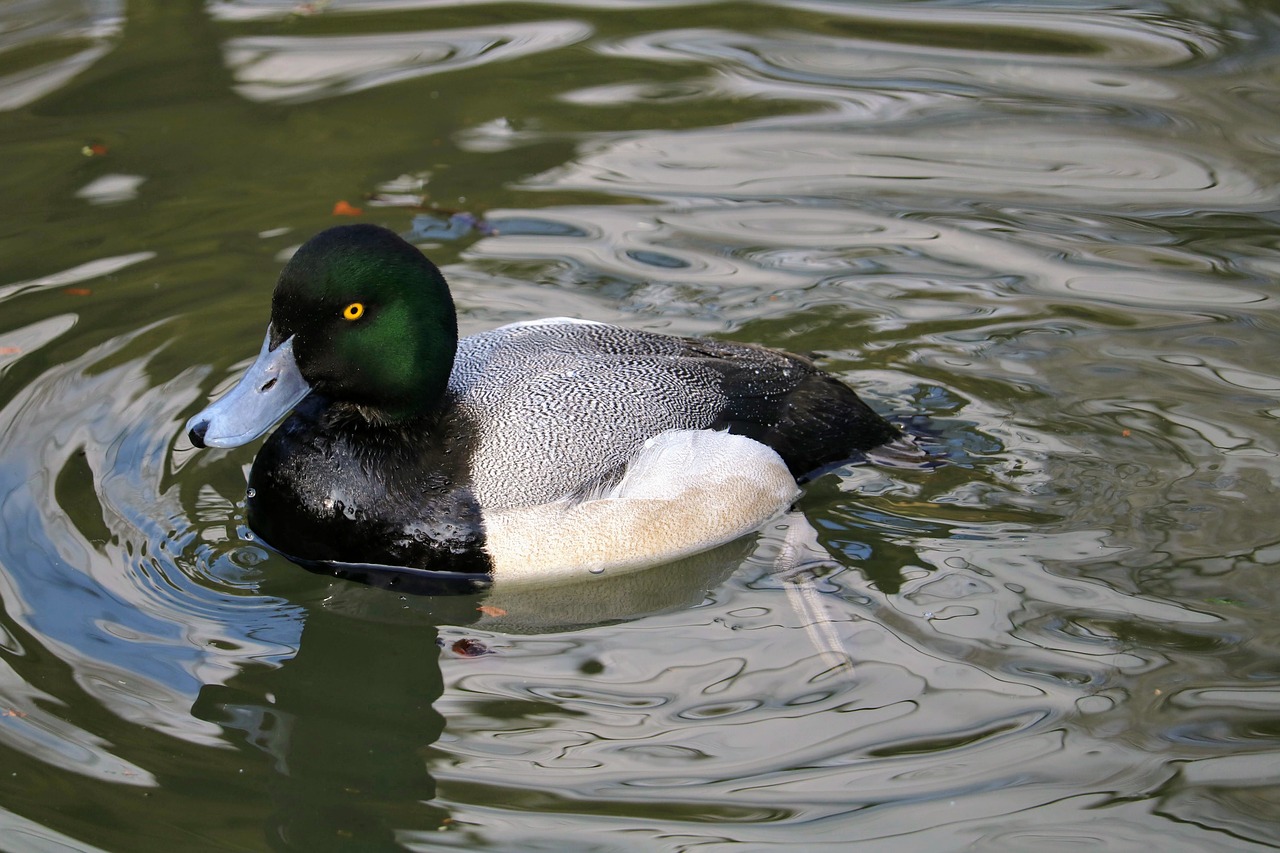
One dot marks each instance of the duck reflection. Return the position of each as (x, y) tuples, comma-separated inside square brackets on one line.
[(346, 725), (344, 731)]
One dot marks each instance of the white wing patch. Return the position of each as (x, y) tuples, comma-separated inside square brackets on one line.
[(684, 492)]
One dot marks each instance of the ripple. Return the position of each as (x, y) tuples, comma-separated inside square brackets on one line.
[(1042, 237), (304, 68), (255, 10), (895, 64), (101, 584), (891, 278), (29, 726), (1004, 35), (1039, 33), (753, 705), (1015, 160), (87, 271), (1266, 699), (29, 835), (64, 39)]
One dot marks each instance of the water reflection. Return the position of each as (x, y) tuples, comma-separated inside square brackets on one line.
[(339, 769), (1012, 158), (1043, 237), (69, 37), (89, 559), (299, 68)]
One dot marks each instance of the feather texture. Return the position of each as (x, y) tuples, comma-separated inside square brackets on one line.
[(562, 405)]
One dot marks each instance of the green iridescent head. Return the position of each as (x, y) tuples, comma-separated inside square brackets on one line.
[(371, 319)]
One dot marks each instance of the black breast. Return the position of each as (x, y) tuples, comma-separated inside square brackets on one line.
[(329, 486)]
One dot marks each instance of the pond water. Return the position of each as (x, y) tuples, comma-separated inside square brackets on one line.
[(1042, 235)]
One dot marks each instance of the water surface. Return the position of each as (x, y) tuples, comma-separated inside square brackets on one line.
[(1043, 236)]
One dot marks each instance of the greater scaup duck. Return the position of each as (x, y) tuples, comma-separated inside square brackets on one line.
[(537, 450)]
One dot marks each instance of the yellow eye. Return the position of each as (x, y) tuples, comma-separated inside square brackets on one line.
[(354, 311)]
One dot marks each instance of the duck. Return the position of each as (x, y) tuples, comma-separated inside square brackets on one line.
[(541, 450)]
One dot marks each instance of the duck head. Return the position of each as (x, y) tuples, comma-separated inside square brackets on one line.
[(359, 317)]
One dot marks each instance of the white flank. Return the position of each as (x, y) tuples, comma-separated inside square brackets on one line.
[(686, 491)]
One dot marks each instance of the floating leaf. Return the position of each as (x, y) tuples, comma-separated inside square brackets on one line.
[(470, 648), (94, 149), (77, 291), (490, 610), (344, 209)]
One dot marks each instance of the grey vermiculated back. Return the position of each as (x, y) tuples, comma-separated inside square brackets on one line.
[(561, 405)]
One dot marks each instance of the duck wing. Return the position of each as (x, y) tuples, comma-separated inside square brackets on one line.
[(554, 408)]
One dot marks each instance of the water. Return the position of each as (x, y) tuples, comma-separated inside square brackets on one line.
[(1042, 235)]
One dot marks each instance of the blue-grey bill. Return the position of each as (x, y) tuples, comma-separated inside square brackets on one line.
[(268, 391)]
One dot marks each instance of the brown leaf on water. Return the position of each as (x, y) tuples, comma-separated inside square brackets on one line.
[(469, 648), (94, 149), (344, 209), (490, 610), (77, 291)]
